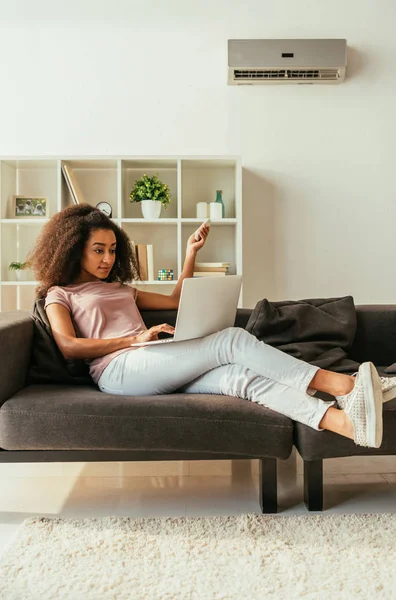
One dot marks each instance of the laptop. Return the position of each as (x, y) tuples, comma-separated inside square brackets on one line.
[(207, 305)]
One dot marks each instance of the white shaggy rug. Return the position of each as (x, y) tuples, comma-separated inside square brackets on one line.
[(202, 558)]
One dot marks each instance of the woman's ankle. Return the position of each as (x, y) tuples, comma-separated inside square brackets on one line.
[(338, 421), (346, 385), (336, 384)]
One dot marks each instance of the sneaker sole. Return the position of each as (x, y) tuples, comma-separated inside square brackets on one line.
[(373, 403)]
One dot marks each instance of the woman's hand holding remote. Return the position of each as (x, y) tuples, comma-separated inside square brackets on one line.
[(198, 238)]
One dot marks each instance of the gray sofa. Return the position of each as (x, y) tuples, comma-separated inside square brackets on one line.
[(62, 423)]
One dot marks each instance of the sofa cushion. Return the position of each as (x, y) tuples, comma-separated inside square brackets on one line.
[(53, 417), (314, 445)]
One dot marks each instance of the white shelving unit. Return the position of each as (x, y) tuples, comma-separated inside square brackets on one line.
[(191, 179)]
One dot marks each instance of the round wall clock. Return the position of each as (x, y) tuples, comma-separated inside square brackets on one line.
[(105, 207)]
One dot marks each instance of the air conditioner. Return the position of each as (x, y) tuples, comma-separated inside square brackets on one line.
[(252, 62)]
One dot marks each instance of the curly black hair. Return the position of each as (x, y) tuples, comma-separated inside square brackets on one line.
[(57, 252)]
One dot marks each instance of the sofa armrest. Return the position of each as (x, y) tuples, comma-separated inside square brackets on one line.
[(16, 334), (375, 338)]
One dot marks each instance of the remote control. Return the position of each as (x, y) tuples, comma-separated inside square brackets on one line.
[(196, 235)]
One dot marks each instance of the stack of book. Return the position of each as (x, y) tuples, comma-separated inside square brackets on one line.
[(211, 269), (145, 261)]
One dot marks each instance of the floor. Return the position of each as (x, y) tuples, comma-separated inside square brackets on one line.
[(194, 488)]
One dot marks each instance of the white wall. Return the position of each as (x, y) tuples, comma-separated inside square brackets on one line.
[(149, 77)]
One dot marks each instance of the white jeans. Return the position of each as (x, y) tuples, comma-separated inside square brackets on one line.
[(231, 362)]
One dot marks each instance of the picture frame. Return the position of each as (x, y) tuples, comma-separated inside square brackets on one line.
[(29, 207)]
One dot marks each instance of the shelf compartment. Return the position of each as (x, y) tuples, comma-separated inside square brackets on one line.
[(163, 240), (97, 180), (17, 239), (15, 297), (220, 246), (30, 178), (201, 179), (132, 170)]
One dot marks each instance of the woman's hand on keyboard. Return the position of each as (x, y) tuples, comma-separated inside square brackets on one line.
[(152, 333)]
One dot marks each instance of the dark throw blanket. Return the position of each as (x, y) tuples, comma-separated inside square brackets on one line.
[(318, 331)]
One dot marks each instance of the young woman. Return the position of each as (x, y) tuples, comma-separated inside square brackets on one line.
[(84, 263)]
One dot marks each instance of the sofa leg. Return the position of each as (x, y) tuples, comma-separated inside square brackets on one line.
[(313, 484), (268, 490)]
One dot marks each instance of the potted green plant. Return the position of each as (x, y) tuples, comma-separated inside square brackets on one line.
[(152, 194), (18, 267)]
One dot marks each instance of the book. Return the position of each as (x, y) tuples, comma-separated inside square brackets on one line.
[(208, 274), (212, 269), (142, 261), (150, 262), (135, 257), (74, 188), (212, 264), (66, 178)]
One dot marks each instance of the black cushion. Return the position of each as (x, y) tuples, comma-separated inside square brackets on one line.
[(47, 364)]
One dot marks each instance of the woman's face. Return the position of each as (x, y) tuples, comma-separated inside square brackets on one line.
[(99, 255)]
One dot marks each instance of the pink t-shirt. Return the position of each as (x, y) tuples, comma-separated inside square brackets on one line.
[(100, 310)]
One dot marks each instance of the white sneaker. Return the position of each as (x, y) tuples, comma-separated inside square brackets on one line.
[(363, 405), (388, 388), (388, 385)]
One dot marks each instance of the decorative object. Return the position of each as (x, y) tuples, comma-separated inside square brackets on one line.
[(151, 193), (202, 210), (28, 207), (219, 199), (106, 208), (216, 211), (18, 268), (233, 557), (165, 274)]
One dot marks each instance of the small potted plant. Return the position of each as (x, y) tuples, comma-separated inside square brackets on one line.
[(18, 267), (152, 194)]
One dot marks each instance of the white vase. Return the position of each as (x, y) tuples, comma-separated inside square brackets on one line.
[(151, 209), (20, 275)]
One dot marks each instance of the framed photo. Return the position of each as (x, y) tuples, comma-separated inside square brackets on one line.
[(28, 207)]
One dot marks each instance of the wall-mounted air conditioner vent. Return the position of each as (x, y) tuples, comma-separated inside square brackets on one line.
[(286, 61)]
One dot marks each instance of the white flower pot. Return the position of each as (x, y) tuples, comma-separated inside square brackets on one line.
[(20, 275), (151, 209)]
